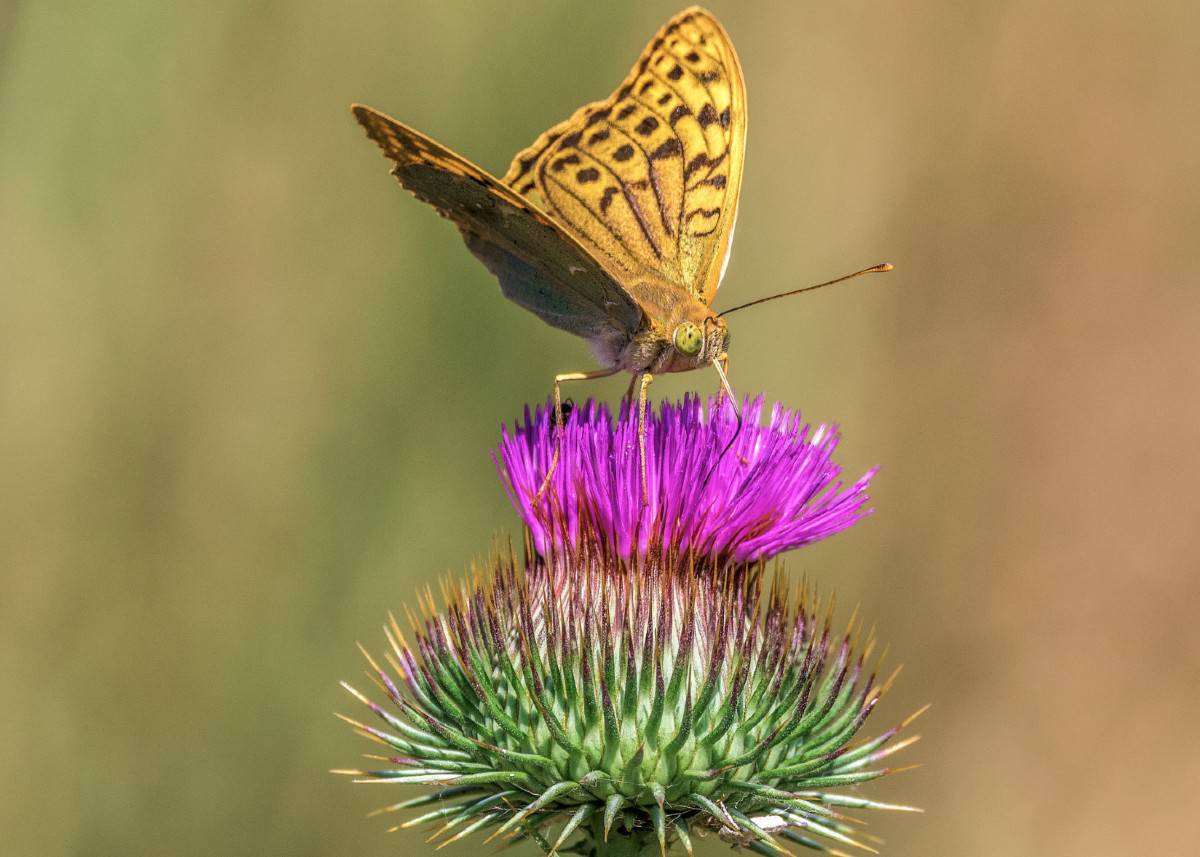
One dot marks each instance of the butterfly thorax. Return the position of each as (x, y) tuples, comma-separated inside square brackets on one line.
[(678, 333)]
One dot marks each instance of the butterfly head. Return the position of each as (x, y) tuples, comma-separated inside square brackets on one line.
[(698, 343), (688, 339), (680, 333)]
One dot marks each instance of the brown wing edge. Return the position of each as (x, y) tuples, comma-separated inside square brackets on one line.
[(402, 145)]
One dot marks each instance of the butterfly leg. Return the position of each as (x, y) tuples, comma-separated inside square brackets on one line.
[(559, 429), (723, 360), (633, 381), (646, 379)]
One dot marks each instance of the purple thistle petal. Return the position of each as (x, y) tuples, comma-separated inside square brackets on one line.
[(777, 487)]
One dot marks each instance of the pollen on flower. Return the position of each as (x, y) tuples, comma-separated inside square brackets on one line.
[(713, 489), (580, 693)]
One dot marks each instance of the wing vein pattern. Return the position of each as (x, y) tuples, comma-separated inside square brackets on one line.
[(670, 140)]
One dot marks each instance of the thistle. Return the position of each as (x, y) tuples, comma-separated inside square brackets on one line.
[(713, 489), (639, 677), (603, 704)]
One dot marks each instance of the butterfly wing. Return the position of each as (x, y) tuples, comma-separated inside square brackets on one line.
[(649, 178), (539, 265)]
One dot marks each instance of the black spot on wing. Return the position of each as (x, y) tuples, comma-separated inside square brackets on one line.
[(646, 126), (701, 161), (564, 161), (669, 148), (704, 212)]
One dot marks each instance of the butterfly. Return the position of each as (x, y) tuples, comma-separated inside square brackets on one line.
[(615, 225)]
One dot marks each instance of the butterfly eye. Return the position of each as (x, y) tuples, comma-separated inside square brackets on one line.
[(688, 338)]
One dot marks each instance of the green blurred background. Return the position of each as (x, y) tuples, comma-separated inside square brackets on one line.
[(248, 387)]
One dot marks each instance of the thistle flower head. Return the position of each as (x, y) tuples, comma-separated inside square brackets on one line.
[(774, 488), (581, 694)]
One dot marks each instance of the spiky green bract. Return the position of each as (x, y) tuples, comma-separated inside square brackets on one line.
[(579, 697)]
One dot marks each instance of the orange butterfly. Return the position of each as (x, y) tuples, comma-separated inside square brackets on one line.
[(615, 225)]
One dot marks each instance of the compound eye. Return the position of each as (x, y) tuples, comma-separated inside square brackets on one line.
[(688, 338)]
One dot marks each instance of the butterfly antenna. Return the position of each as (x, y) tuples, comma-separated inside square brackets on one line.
[(737, 412), (881, 268)]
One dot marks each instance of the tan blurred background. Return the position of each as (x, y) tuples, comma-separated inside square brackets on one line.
[(247, 389)]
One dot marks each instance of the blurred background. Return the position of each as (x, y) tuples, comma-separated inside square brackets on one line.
[(248, 388)]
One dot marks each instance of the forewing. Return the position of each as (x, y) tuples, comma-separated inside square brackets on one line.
[(540, 266), (649, 178)]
